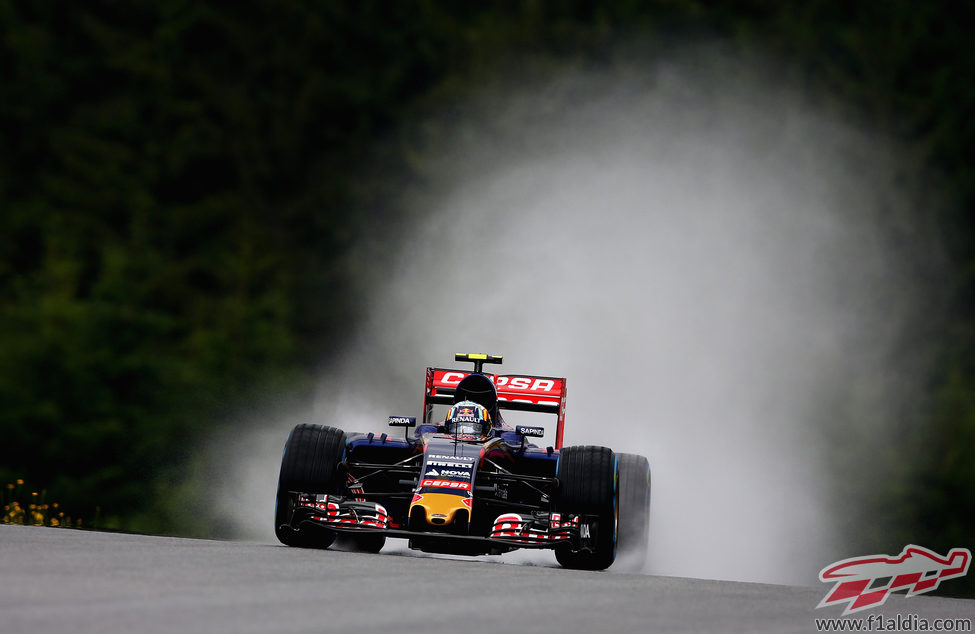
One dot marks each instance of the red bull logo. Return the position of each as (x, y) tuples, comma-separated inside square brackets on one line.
[(866, 582)]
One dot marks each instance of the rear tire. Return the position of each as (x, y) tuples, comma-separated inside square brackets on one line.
[(589, 484), (311, 456), (634, 529)]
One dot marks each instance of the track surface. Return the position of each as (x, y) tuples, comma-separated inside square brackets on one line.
[(81, 581)]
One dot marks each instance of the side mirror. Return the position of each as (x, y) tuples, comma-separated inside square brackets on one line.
[(402, 421), (526, 430)]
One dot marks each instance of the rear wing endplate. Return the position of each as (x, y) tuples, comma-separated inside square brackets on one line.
[(518, 392)]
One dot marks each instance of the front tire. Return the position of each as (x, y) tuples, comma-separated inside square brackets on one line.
[(634, 530), (589, 485), (309, 464), (361, 543)]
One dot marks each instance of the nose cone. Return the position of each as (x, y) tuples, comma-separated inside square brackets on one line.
[(440, 509)]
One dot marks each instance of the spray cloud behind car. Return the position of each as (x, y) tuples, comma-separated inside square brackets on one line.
[(703, 251)]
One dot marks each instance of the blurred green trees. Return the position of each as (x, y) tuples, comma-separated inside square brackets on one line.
[(178, 219), (184, 189)]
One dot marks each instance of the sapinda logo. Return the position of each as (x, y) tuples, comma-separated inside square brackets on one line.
[(866, 582)]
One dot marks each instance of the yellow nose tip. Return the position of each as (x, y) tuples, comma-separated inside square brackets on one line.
[(439, 509)]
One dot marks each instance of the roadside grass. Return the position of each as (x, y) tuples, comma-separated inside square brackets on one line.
[(31, 508)]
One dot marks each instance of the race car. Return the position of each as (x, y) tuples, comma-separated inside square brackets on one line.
[(466, 482)]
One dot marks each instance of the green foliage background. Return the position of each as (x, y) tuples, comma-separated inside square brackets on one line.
[(186, 191)]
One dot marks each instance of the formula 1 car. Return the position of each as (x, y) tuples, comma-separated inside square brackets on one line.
[(467, 483)]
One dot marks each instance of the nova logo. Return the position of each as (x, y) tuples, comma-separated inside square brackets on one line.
[(866, 582), (449, 473)]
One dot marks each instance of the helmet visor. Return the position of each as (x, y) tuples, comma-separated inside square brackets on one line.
[(467, 418)]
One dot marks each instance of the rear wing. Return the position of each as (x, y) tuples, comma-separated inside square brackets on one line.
[(518, 392)]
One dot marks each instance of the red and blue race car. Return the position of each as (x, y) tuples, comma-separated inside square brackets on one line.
[(466, 482)]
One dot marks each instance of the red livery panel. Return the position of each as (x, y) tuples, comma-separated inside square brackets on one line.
[(515, 392), (539, 390)]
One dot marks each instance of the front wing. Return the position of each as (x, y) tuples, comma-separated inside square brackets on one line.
[(537, 529)]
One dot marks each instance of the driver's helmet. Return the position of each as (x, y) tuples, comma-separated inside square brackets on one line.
[(467, 417)]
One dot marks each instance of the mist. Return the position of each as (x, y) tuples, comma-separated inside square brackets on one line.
[(698, 245)]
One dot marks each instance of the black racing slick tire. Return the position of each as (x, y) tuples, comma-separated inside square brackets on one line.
[(309, 464), (589, 485), (361, 543), (634, 524)]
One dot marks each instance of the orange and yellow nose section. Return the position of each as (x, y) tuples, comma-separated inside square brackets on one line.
[(440, 509)]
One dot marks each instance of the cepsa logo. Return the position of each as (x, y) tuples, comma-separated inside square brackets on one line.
[(866, 582), (446, 484), (525, 383), (511, 382)]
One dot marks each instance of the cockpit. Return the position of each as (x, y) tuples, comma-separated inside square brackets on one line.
[(479, 389)]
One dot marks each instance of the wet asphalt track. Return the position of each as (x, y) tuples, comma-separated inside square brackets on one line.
[(58, 580)]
